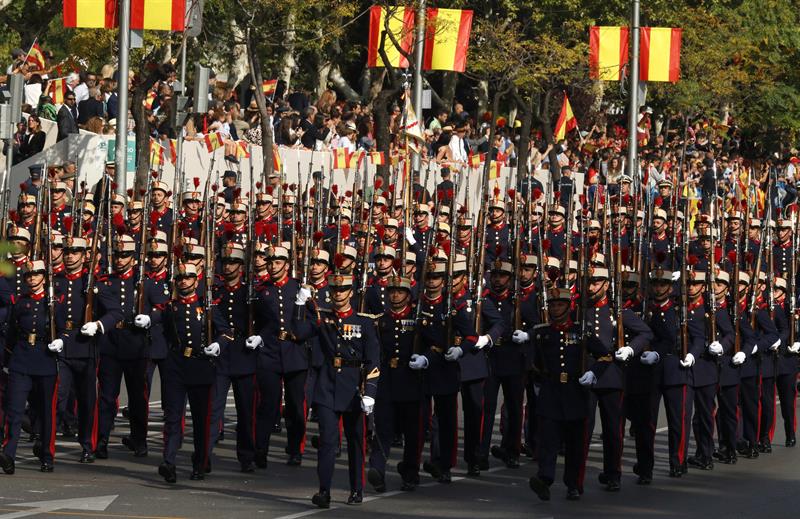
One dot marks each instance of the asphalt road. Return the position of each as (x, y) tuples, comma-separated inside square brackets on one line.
[(127, 487)]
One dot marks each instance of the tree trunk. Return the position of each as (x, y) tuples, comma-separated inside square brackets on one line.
[(525, 135), (288, 56), (240, 66), (267, 139), (380, 111), (483, 100), (449, 81), (139, 115), (341, 85), (547, 132), (376, 84)]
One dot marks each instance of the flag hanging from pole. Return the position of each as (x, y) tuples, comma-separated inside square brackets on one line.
[(36, 56), (495, 167), (401, 27), (213, 141), (340, 158), (57, 90), (156, 154), (91, 14), (447, 39), (277, 165), (608, 52), (412, 127), (566, 121), (475, 160), (149, 100), (242, 151), (268, 86), (355, 158), (173, 150), (660, 54), (377, 158), (158, 15)]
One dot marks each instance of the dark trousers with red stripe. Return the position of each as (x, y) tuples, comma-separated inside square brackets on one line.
[(787, 392), (110, 376), (80, 376), (20, 388), (294, 410), (174, 404), (642, 409), (405, 417), (767, 420), (354, 426), (676, 404), (3, 385), (444, 430), (727, 417), (472, 405), (513, 392), (244, 388), (703, 420), (573, 435), (612, 419), (530, 422), (749, 398)]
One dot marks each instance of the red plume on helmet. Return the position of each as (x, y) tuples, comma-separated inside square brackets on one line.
[(380, 230), (345, 231), (378, 183), (536, 193), (177, 251), (693, 260), (270, 190), (338, 260), (390, 188), (214, 187), (259, 184), (658, 201), (496, 191), (13, 215), (717, 254), (582, 200), (154, 174), (130, 193), (119, 223), (446, 246), (298, 226), (113, 186), (68, 223), (335, 189), (196, 182)]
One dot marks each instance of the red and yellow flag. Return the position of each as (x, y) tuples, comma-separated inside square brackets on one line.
[(158, 15), (447, 39), (242, 150), (149, 100), (92, 14), (494, 169), (566, 121), (608, 52), (213, 141), (36, 56), (57, 89), (660, 54), (173, 150), (269, 86), (355, 158), (277, 164), (340, 157), (401, 26), (156, 154), (475, 160), (377, 158)]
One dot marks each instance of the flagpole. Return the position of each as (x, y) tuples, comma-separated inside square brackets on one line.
[(121, 151), (419, 47), (633, 107), (30, 49)]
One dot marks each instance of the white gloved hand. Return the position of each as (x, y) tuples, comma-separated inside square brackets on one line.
[(410, 236), (367, 404), (212, 350), (518, 337), (755, 349), (775, 345), (454, 353), (588, 379), (89, 329), (418, 362), (688, 361), (483, 341), (624, 353), (676, 275), (303, 295), (57, 346), (715, 348), (794, 348), (253, 342), (142, 321), (649, 358), (739, 358)]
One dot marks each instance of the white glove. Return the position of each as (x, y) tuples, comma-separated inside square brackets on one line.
[(367, 404), (688, 361), (794, 348), (253, 342), (410, 236), (649, 358), (739, 358), (588, 379), (624, 353), (303, 295), (212, 350), (89, 329), (57, 346), (483, 341), (518, 337), (755, 349), (775, 345), (418, 362), (676, 275), (715, 348), (142, 321), (453, 353)]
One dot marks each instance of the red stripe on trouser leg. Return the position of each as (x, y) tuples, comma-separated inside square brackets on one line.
[(303, 439), (53, 411), (758, 415), (772, 424), (207, 425), (96, 417), (682, 442), (582, 469), (420, 433), (621, 432), (454, 454), (794, 405)]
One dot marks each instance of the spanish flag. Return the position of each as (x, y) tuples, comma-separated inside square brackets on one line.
[(447, 39), (213, 141), (242, 150), (149, 100), (566, 121), (92, 14), (36, 56), (158, 15), (377, 158), (57, 89), (269, 86), (476, 160), (156, 154), (277, 165), (173, 150), (608, 52), (495, 167), (355, 158), (660, 54), (340, 158), (401, 26)]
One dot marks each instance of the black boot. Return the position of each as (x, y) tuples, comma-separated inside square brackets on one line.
[(322, 499)]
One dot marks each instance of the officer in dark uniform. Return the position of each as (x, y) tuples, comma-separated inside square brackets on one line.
[(32, 367), (282, 358), (158, 289), (161, 215), (497, 240), (347, 366), (189, 371), (786, 374), (562, 403), (377, 296), (236, 364), (769, 364), (229, 181), (399, 396)]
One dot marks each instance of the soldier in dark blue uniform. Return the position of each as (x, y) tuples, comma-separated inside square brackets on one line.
[(399, 396), (770, 360), (346, 382), (158, 289), (556, 233), (377, 296), (282, 358), (497, 240), (161, 214), (562, 403), (189, 371), (32, 367), (606, 375), (786, 374), (236, 364), (190, 223)]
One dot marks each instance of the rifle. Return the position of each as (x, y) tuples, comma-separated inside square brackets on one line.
[(51, 297), (764, 237), (94, 257), (37, 225), (684, 284), (618, 281), (792, 277), (210, 256), (451, 258), (145, 194), (251, 246)]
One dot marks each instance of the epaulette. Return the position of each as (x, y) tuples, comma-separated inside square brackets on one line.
[(371, 316), (485, 292), (103, 278)]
